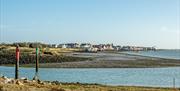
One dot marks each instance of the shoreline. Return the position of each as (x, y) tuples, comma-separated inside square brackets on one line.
[(10, 84), (148, 56), (106, 60), (58, 58), (22, 66), (94, 76)]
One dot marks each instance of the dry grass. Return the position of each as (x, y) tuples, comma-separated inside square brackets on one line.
[(32, 50)]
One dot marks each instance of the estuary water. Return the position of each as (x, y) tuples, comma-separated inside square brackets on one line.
[(153, 77), (170, 54)]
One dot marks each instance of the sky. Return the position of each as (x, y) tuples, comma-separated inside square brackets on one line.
[(121, 22)]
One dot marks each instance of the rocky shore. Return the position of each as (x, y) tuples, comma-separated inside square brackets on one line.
[(23, 84)]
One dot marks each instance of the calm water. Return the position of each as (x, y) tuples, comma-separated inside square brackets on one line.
[(156, 77), (171, 54)]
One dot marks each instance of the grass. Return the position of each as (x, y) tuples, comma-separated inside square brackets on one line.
[(30, 50)]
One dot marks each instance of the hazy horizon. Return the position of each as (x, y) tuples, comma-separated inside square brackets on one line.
[(121, 22)]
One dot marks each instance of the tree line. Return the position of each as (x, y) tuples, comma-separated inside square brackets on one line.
[(27, 44)]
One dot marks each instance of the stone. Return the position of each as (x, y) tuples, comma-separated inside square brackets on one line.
[(19, 83), (24, 78)]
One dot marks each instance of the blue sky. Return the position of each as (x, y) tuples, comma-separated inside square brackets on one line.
[(123, 22)]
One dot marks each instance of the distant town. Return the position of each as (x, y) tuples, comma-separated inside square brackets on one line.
[(88, 47)]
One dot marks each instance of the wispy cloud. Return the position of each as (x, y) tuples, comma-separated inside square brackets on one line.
[(165, 29)]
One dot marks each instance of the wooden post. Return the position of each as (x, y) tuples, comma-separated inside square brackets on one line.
[(37, 64), (37, 59), (17, 62)]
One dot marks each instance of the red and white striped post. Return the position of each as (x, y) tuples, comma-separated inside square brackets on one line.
[(17, 62)]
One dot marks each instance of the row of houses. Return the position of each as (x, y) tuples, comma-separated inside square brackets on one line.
[(135, 48), (71, 45), (101, 47)]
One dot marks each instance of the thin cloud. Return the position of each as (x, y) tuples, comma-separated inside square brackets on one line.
[(167, 30)]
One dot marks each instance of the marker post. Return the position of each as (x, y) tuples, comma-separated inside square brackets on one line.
[(37, 64), (17, 62), (37, 59)]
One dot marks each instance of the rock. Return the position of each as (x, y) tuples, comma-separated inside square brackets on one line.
[(49, 83), (19, 83), (13, 82), (4, 77), (10, 80), (33, 80), (41, 82), (6, 80), (55, 82), (24, 78), (26, 81)]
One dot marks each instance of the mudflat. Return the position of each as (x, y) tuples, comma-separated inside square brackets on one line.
[(110, 60), (74, 58)]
